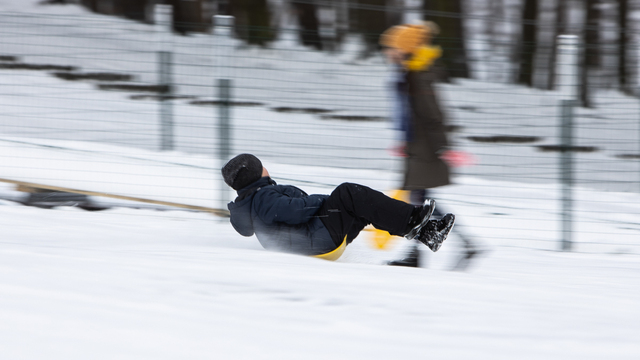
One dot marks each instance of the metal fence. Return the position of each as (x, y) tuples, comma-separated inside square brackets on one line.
[(98, 86)]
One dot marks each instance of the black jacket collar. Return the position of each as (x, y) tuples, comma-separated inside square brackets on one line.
[(250, 189)]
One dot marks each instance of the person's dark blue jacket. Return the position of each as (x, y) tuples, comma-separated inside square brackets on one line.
[(282, 217)]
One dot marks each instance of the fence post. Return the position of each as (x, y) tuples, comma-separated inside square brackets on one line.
[(567, 77), (567, 67), (224, 100), (165, 97), (223, 44), (223, 25), (163, 17), (566, 172), (223, 28), (638, 94)]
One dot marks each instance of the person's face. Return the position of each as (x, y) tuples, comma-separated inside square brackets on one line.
[(264, 172)]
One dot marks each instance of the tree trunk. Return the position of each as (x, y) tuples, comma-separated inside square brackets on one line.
[(560, 29), (591, 53), (369, 18), (253, 21), (448, 15), (623, 42), (528, 42), (309, 24), (90, 4), (134, 9)]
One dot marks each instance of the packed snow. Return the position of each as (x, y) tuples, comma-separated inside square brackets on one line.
[(143, 284)]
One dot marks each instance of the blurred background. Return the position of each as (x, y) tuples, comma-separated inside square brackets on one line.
[(145, 99)]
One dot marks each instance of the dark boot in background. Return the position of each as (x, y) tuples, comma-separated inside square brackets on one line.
[(411, 260)]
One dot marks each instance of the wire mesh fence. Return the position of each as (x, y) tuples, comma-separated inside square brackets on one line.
[(92, 88)]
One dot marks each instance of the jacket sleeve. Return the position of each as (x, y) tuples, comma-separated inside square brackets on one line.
[(275, 207)]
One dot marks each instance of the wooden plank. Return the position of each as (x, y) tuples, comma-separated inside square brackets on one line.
[(30, 187)]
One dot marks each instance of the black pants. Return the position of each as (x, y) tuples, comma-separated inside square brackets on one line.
[(351, 207)]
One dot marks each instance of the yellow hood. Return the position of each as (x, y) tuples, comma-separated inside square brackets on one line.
[(423, 57)]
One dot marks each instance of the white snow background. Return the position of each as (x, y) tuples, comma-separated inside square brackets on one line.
[(145, 284)]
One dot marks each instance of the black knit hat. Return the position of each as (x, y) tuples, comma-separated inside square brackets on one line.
[(241, 171)]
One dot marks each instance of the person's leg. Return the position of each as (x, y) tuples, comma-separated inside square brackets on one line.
[(432, 235), (466, 240), (413, 257), (351, 207), (469, 248), (419, 196)]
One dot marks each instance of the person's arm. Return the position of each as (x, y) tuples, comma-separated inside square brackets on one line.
[(273, 207)]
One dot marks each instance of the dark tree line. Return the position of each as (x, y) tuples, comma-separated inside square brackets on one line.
[(307, 16), (590, 54), (257, 24), (528, 42), (590, 30), (132, 9), (187, 15), (369, 18), (449, 16), (623, 41), (253, 21)]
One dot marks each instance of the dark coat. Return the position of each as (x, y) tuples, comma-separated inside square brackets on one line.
[(282, 217), (423, 168)]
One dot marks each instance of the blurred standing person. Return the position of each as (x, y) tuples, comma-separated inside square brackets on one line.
[(418, 116)]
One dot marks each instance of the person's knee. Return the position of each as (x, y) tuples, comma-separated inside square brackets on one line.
[(347, 187)]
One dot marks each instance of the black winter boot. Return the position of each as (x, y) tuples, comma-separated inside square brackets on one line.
[(412, 259), (436, 231), (420, 218)]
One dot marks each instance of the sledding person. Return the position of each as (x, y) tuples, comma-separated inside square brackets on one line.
[(419, 117), (286, 219)]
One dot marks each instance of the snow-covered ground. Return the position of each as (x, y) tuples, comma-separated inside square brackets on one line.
[(139, 284), (147, 284)]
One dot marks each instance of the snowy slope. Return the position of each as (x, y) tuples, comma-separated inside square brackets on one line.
[(133, 284), (141, 284)]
